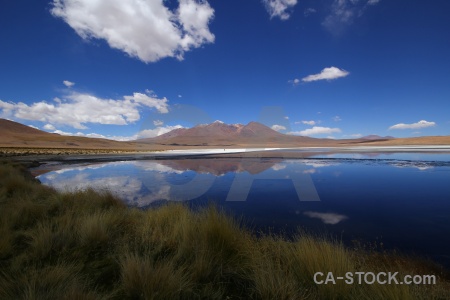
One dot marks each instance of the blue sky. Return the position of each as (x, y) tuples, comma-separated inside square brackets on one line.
[(132, 68)]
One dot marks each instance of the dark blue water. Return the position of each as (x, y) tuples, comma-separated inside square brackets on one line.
[(399, 201)]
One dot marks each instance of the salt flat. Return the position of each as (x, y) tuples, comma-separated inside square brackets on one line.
[(410, 148)]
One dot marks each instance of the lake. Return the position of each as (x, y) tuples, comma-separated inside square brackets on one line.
[(397, 200)]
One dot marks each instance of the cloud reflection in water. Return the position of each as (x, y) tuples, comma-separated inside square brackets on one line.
[(140, 183), (327, 218)]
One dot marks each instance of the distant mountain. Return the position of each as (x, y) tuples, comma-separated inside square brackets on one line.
[(377, 137), (221, 134)]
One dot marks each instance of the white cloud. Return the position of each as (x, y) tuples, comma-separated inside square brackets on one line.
[(147, 30), (68, 83), (294, 82), (356, 135), (79, 109), (418, 125), (310, 123), (343, 14), (327, 218), (316, 130), (337, 119), (33, 127), (96, 135), (149, 133), (326, 74), (60, 132), (49, 127), (279, 8), (158, 122), (286, 117), (7, 108), (150, 101), (278, 127), (309, 11)]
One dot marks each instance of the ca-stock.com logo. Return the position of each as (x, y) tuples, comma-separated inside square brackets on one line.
[(186, 116)]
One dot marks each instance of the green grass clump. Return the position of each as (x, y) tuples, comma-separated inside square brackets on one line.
[(89, 245)]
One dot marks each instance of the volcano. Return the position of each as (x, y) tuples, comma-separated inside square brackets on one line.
[(235, 135)]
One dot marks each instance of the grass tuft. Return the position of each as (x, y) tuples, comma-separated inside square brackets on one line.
[(89, 245)]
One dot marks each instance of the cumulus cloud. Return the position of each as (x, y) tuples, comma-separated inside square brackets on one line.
[(280, 8), (147, 30), (343, 14), (96, 135), (68, 83), (158, 122), (33, 127), (278, 127), (327, 74), (418, 125), (6, 108), (337, 119), (149, 133), (78, 109), (316, 130), (49, 127)]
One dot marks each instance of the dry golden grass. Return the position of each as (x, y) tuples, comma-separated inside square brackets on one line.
[(89, 245)]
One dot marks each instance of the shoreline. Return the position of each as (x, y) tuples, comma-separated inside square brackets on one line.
[(86, 155), (406, 148)]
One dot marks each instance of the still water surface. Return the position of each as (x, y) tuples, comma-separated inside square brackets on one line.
[(401, 200)]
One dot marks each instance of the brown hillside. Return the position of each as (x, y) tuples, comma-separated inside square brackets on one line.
[(424, 140), (236, 135), (13, 134)]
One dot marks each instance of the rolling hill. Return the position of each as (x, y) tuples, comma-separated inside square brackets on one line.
[(13, 134)]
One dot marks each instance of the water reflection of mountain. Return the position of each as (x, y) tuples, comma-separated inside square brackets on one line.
[(218, 166)]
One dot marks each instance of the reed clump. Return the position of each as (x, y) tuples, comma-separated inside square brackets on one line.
[(89, 245)]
